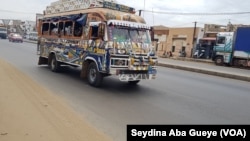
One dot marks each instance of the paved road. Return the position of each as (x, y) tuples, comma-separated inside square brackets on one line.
[(175, 97)]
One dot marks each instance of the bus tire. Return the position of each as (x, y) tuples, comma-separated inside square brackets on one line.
[(94, 76), (219, 60), (54, 64)]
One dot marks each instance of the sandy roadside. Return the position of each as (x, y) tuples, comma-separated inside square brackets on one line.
[(29, 112)]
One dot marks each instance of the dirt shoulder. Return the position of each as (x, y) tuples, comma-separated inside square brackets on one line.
[(32, 113)]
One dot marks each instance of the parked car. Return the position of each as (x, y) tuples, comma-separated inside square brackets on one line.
[(15, 37), (32, 36)]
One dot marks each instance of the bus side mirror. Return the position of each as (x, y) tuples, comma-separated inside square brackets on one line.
[(101, 30)]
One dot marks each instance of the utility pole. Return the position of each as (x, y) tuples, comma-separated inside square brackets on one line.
[(194, 31), (153, 17), (140, 12), (230, 26), (144, 8), (193, 38)]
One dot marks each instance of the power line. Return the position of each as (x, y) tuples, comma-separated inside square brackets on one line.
[(193, 13), (183, 24), (17, 12)]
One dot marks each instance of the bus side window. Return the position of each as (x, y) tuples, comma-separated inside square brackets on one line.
[(77, 30), (94, 33), (45, 29), (53, 28), (68, 28), (61, 29)]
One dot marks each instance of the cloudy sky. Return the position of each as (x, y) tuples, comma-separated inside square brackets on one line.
[(170, 13)]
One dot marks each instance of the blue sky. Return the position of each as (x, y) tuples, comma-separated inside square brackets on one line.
[(26, 10)]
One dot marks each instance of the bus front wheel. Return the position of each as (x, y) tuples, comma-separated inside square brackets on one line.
[(54, 64), (94, 76)]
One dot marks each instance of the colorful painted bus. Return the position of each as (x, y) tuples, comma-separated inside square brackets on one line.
[(103, 41)]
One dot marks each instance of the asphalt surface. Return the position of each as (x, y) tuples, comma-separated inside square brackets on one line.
[(175, 97), (205, 66)]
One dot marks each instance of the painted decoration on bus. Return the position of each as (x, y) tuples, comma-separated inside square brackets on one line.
[(118, 7), (66, 52)]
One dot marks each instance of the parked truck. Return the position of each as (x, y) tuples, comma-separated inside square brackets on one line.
[(233, 48)]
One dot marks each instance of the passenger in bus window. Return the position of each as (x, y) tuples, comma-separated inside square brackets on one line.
[(62, 33), (55, 31), (60, 30), (78, 31), (68, 30), (53, 28)]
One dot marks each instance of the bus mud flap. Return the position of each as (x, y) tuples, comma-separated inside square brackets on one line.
[(42, 61), (84, 69)]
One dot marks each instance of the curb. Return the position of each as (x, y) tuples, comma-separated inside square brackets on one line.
[(191, 59), (28, 41), (214, 73)]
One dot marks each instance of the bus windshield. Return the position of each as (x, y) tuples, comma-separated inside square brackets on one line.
[(124, 34)]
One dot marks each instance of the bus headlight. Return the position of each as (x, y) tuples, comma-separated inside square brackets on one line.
[(151, 61), (132, 61), (121, 51), (110, 44)]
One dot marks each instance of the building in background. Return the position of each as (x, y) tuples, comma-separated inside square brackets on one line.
[(18, 26), (189, 42), (211, 30), (179, 41), (28, 26), (182, 41), (159, 36)]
